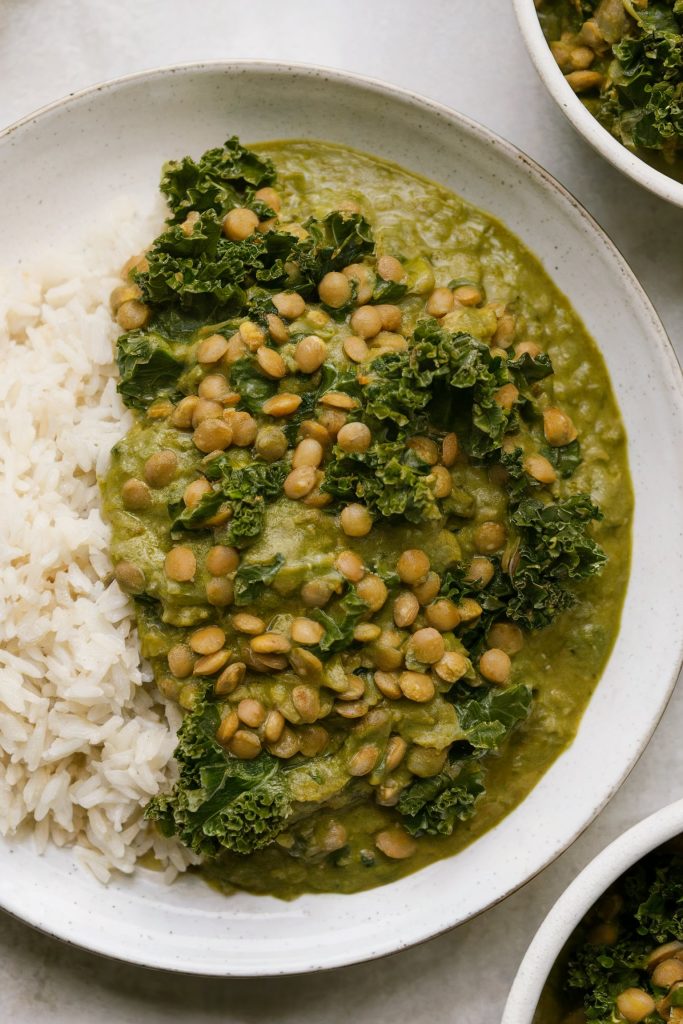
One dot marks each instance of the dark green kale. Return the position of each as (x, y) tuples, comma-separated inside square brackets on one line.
[(247, 489), (192, 517), (565, 459), (333, 243), (390, 478), (148, 369), (602, 972), (649, 913), (434, 806), (250, 580), (253, 388), (339, 627), (217, 181), (388, 291), (656, 886), (646, 102), (220, 802), (449, 380), (488, 720), (518, 483), (207, 275), (551, 550)]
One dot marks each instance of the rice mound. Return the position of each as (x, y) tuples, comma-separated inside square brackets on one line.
[(84, 743)]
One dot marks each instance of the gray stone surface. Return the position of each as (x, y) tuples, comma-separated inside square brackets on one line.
[(470, 56)]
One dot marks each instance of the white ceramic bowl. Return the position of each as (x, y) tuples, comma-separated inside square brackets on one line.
[(584, 122), (577, 900), (67, 162)]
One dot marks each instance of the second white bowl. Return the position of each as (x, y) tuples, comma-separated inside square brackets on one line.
[(577, 900), (584, 122)]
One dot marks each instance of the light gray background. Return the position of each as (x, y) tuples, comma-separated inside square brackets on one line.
[(468, 54)]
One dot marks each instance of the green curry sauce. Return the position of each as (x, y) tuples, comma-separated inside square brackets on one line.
[(440, 241)]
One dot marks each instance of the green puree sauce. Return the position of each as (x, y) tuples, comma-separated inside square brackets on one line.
[(439, 239)]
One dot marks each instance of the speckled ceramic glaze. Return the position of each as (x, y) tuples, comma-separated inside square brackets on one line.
[(584, 122), (577, 900), (61, 167)]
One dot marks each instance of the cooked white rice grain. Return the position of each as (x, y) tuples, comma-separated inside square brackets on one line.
[(83, 743)]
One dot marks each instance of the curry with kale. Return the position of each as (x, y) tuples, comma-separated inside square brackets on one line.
[(625, 59), (624, 963), (374, 513)]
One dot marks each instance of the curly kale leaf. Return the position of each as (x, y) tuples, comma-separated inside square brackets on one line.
[(565, 459), (602, 972), (434, 806), (553, 550), (254, 389), (658, 890), (205, 274), (450, 380), (250, 580), (651, 914), (220, 802), (334, 242), (191, 517), (487, 721), (216, 182), (247, 489), (388, 291), (526, 369), (647, 101), (390, 478), (518, 483), (339, 628), (148, 369), (554, 537)]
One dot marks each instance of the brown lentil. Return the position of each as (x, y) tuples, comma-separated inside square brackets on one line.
[(395, 844), (135, 495), (230, 678), (364, 760), (245, 745), (160, 468), (495, 666), (413, 566), (451, 667), (212, 349), (406, 609), (220, 592), (283, 404), (180, 564), (252, 625), (416, 686)]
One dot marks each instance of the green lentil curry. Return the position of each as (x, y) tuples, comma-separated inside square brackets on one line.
[(624, 58), (624, 962), (374, 513)]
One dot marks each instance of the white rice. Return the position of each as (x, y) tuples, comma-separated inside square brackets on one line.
[(84, 743)]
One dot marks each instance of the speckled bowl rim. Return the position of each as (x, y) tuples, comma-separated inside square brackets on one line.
[(584, 122), (577, 900), (665, 354)]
